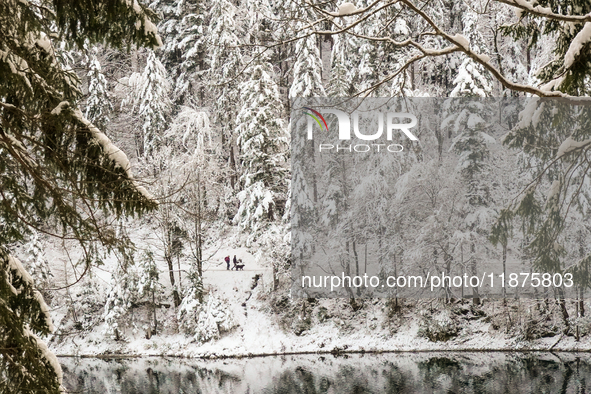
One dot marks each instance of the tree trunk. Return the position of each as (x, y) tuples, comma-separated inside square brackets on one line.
[(198, 240), (581, 303), (275, 277), (175, 293), (448, 259), (154, 311), (564, 312), (504, 273), (356, 266), (475, 294)]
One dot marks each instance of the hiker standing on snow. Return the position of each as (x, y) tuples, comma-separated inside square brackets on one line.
[(227, 259), (235, 262)]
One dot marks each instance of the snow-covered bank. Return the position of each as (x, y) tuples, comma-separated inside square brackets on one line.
[(335, 328), (266, 322), (178, 347)]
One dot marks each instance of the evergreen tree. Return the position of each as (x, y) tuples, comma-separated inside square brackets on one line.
[(263, 145), (468, 120), (183, 29), (98, 104), (225, 73), (150, 98), (37, 264), (307, 70), (122, 291), (53, 157), (472, 79), (205, 321), (340, 79), (555, 138), (148, 283), (26, 363)]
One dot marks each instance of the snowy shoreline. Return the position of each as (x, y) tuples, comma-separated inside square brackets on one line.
[(344, 345), (326, 352)]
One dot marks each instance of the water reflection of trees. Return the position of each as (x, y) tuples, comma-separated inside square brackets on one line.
[(395, 373)]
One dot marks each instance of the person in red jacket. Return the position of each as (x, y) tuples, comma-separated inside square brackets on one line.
[(227, 259)]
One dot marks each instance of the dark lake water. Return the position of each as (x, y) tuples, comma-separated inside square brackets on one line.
[(432, 372)]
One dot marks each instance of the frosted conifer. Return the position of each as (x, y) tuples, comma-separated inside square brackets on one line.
[(150, 99), (98, 104), (37, 264), (53, 156), (307, 70), (472, 79), (183, 30), (263, 143)]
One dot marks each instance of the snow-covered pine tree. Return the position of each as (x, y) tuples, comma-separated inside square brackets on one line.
[(512, 57), (183, 54), (307, 69), (192, 303), (53, 156), (148, 284), (555, 138), (123, 289), (340, 77), (26, 363), (98, 104), (225, 67), (150, 99), (205, 321), (37, 264), (263, 143), (472, 79), (370, 54), (468, 119)]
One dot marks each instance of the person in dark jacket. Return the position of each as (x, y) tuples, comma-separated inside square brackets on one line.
[(235, 262)]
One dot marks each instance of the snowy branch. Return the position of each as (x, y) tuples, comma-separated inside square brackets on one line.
[(545, 12), (459, 42)]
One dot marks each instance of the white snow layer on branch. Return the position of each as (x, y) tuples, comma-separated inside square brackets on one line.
[(48, 355), (583, 37), (484, 58), (346, 9), (15, 264), (569, 145), (114, 153), (530, 116), (553, 84), (488, 138), (462, 40), (538, 9)]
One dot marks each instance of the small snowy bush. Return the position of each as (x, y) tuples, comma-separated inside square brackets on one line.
[(90, 302), (438, 327), (204, 321), (121, 293)]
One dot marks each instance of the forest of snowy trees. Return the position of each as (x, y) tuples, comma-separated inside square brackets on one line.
[(122, 122)]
